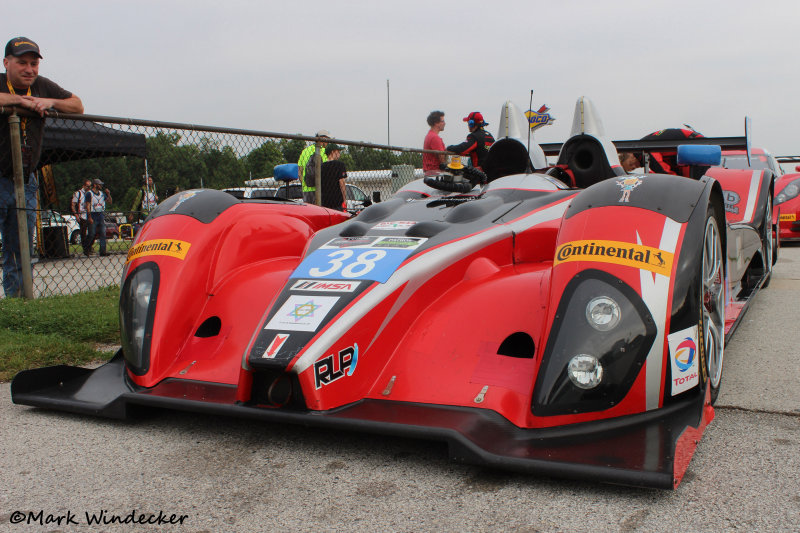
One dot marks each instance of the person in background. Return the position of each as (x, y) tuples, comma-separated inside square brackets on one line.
[(309, 188), (433, 162), (78, 206), (96, 202), (334, 173), (478, 140), (628, 161), (146, 200), (21, 86)]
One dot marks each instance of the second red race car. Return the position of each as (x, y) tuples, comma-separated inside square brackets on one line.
[(787, 202)]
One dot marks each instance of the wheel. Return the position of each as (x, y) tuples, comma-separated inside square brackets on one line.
[(712, 303), (74, 237)]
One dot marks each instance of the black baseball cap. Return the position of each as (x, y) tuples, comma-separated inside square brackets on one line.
[(332, 148), (21, 45)]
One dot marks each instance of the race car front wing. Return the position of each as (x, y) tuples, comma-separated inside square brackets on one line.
[(646, 450)]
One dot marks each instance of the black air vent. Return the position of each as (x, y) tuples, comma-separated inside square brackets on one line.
[(209, 328), (517, 345)]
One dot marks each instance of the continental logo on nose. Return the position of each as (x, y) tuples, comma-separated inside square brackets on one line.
[(169, 247), (618, 253)]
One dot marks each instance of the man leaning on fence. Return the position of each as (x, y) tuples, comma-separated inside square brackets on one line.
[(21, 86), (309, 186)]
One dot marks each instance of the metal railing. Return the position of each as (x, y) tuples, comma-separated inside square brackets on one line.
[(123, 151)]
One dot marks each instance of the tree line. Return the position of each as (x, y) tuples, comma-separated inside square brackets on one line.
[(176, 163)]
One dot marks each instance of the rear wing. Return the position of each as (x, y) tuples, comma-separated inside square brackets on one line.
[(660, 145)]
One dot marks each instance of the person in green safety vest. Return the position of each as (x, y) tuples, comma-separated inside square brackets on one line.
[(146, 200), (309, 190)]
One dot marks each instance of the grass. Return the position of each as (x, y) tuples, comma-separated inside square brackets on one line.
[(112, 246), (56, 330)]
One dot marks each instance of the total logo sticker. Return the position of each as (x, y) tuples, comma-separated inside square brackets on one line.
[(684, 359)]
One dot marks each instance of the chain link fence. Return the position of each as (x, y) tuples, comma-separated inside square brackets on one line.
[(123, 153)]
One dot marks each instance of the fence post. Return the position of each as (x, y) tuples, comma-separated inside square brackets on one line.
[(22, 212), (317, 173)]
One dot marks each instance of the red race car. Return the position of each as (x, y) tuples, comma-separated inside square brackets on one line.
[(787, 202), (569, 321)]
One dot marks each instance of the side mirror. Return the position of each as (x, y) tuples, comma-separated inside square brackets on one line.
[(797, 168), (376, 197)]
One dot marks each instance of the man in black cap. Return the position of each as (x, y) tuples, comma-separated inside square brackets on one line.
[(478, 141), (96, 202), (21, 86), (334, 174)]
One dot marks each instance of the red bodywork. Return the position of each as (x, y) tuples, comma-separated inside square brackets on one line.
[(787, 212)]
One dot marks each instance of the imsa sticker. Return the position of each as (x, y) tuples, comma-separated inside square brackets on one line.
[(683, 357), (168, 247), (619, 253)]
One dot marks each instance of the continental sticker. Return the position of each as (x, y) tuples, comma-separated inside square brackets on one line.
[(168, 247), (618, 253), (789, 217)]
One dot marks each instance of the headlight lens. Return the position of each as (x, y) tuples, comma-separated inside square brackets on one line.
[(788, 192), (137, 305), (601, 335), (603, 313), (585, 371)]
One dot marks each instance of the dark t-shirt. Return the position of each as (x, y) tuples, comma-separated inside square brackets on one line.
[(34, 127), (332, 172)]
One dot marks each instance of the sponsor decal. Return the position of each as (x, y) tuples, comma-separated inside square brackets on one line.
[(330, 368), (789, 217), (731, 199), (347, 242), (540, 118), (684, 359), (616, 252), (302, 313), (324, 286), (168, 247), (376, 264), (182, 198), (275, 346), (399, 242), (701, 349), (393, 225), (627, 184)]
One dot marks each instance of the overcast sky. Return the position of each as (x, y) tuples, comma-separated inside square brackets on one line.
[(296, 67)]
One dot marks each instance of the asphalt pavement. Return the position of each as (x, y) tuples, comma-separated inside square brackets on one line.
[(204, 473)]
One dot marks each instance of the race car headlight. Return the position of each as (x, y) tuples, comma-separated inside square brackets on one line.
[(603, 313), (601, 335), (788, 192), (137, 305), (585, 371)]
